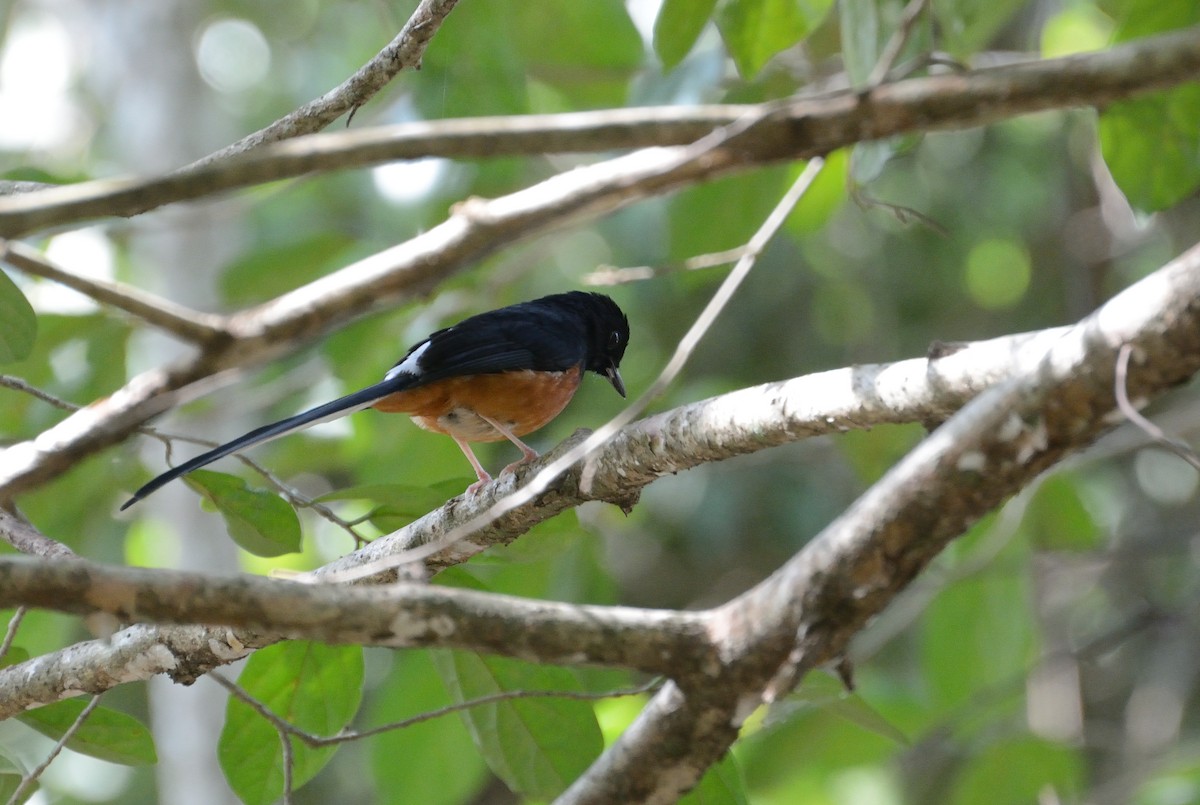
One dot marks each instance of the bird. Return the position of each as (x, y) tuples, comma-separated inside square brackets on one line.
[(494, 376)]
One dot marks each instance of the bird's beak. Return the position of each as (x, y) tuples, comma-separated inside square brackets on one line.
[(614, 377)]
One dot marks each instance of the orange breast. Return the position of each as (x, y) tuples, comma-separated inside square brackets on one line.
[(522, 401)]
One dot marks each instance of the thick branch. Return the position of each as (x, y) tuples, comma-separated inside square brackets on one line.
[(478, 228), (395, 615), (799, 128), (806, 612), (733, 424)]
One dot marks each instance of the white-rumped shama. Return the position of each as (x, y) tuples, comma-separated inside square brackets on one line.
[(494, 376)]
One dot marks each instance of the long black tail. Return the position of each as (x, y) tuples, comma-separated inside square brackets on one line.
[(322, 413)]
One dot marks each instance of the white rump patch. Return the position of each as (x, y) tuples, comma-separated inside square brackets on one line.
[(410, 365)]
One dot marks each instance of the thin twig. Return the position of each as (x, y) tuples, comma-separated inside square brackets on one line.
[(315, 741), (814, 125), (1176, 446), (612, 275), (683, 351), (190, 325), (891, 51), (401, 273), (287, 730), (403, 52), (904, 215), (36, 772), (302, 501), (14, 623), (293, 495), (20, 533), (492, 698), (289, 765), (17, 384)]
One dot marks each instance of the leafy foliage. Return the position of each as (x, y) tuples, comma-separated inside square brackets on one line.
[(1058, 593), (536, 745), (756, 30), (105, 734), (18, 323), (1151, 143), (261, 522), (677, 26), (722, 785), (11, 773), (316, 688)]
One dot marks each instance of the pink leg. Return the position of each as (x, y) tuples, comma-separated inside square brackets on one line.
[(480, 472), (528, 453)]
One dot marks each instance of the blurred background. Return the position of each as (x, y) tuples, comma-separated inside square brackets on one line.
[(1049, 656)]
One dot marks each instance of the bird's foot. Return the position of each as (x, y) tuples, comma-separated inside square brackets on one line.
[(484, 480), (525, 459)]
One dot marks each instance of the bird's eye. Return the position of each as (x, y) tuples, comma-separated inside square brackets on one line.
[(614, 338)]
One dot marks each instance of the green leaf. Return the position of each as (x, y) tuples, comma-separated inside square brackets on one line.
[(18, 322), (556, 560), (1174, 781), (867, 160), (976, 635), (826, 692), (1076, 29), (1057, 518), (106, 734), (739, 202), (967, 26), (258, 275), (11, 772), (538, 746), (492, 82), (1141, 18), (15, 655), (587, 51), (824, 198), (721, 785), (989, 777), (755, 30), (440, 767), (261, 522), (310, 685), (677, 27), (102, 339), (567, 38), (861, 39), (1152, 146), (399, 504)]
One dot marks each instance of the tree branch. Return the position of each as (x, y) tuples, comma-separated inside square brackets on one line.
[(925, 390), (1059, 398), (187, 324), (21, 534), (806, 612), (797, 128), (710, 430), (478, 227), (403, 52), (397, 615)]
